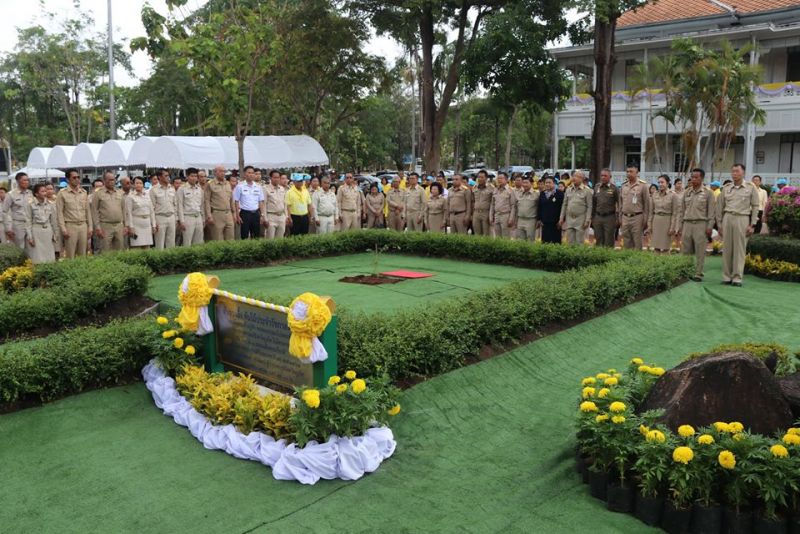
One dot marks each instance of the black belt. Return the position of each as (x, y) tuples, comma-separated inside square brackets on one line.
[(527, 218), (606, 214), (457, 212), (249, 211)]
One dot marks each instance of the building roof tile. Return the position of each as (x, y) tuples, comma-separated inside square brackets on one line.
[(660, 11)]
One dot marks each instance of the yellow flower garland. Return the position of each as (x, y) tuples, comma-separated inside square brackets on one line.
[(318, 315), (198, 294)]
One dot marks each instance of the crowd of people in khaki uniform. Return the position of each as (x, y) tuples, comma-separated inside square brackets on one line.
[(164, 213)]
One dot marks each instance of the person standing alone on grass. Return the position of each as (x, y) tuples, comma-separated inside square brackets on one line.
[(605, 210), (550, 202), (696, 220), (737, 215), (299, 201), (576, 212), (190, 210), (635, 209), (248, 198)]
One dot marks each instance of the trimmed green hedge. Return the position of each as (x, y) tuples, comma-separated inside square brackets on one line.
[(775, 248), (11, 256), (73, 361), (70, 290)]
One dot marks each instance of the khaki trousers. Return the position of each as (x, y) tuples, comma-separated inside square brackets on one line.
[(480, 223), (526, 229), (350, 220), (575, 236), (734, 245), (193, 234), (374, 220), (604, 228), (165, 235), (501, 228), (3, 237), (20, 231), (632, 231), (276, 228), (222, 229), (75, 244), (395, 221), (458, 223), (693, 241), (414, 221), (327, 224), (114, 238)]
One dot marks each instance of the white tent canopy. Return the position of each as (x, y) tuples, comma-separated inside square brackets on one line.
[(34, 172), (60, 157), (85, 155), (139, 151), (114, 153), (38, 157), (305, 150), (180, 152)]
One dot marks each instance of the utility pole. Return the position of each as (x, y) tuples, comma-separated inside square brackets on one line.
[(112, 121)]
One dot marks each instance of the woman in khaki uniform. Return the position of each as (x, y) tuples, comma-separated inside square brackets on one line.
[(376, 202), (140, 219), (663, 216), (51, 198), (42, 223), (436, 210)]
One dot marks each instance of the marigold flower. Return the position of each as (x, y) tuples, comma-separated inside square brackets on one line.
[(727, 460), (644, 368), (162, 320), (178, 343), (655, 436), (794, 431), (335, 379), (657, 371), (719, 426), (603, 393), (350, 375), (611, 381), (617, 407), (791, 439), (169, 334), (602, 376), (311, 398), (394, 410), (779, 451), (588, 406), (682, 455), (739, 437), (685, 431), (644, 429), (190, 350), (601, 418), (341, 388), (359, 386), (588, 381), (735, 427), (618, 419), (637, 361), (705, 439), (587, 392)]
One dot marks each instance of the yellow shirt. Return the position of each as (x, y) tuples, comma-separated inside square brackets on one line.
[(298, 200)]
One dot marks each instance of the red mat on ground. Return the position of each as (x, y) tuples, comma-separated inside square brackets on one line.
[(407, 274)]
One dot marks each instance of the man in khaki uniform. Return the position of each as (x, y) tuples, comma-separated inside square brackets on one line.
[(415, 204), (737, 216), (696, 220), (162, 195), (108, 209), (576, 211), (605, 210), (3, 193), (635, 209), (503, 205), (277, 211), (527, 209), (190, 210), (74, 216), (15, 209), (396, 199), (350, 202), (326, 209), (218, 206), (459, 205), (481, 204)]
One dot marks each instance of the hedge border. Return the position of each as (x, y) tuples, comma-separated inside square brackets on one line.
[(775, 248)]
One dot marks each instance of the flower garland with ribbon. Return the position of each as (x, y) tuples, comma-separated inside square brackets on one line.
[(308, 317), (194, 294)]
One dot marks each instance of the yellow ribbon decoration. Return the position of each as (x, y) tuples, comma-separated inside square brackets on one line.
[(198, 294), (317, 317)]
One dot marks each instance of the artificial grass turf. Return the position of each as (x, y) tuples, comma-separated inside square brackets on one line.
[(487, 448), (321, 275)]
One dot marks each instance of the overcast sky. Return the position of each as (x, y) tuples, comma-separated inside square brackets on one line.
[(127, 25)]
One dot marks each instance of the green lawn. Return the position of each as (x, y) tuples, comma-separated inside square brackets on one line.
[(322, 275), (488, 448)]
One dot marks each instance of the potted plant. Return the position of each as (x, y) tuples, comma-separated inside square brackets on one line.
[(706, 513), (621, 430), (777, 474), (737, 479), (683, 489), (592, 438), (652, 466)]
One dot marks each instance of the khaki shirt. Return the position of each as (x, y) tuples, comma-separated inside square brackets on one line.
[(635, 198), (217, 197), (15, 206), (42, 215), (72, 207), (665, 203), (738, 200), (139, 207), (482, 198), (415, 199), (436, 206), (325, 204), (190, 201), (503, 202), (163, 198), (375, 203), (697, 205), (349, 199), (396, 199), (528, 204), (108, 207), (577, 207), (606, 200), (459, 201), (275, 199)]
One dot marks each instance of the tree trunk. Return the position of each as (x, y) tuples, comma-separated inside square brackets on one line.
[(604, 59), (509, 135), (240, 147), (496, 141), (430, 142)]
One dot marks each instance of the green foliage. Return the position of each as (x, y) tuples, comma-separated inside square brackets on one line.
[(783, 212), (178, 348), (11, 256), (66, 291), (76, 360), (772, 269), (786, 362), (775, 248)]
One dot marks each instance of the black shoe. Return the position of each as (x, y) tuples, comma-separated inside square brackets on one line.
[(697, 278), (736, 284), (726, 282)]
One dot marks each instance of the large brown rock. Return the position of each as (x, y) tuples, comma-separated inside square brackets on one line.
[(730, 386), (790, 386)]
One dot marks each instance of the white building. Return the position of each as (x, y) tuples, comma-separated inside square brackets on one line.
[(773, 26)]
